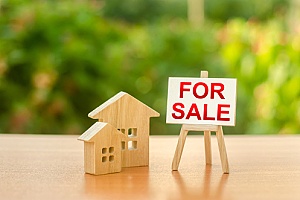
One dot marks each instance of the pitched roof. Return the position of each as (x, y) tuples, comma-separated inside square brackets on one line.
[(92, 131), (114, 99)]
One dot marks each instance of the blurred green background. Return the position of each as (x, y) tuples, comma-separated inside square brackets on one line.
[(61, 59)]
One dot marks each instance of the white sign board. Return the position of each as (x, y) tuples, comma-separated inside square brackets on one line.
[(201, 101)]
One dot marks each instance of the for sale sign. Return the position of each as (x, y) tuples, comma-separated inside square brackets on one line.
[(201, 101)]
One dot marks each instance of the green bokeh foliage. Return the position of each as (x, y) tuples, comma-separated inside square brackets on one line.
[(60, 60)]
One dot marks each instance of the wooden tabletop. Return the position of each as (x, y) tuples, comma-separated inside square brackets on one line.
[(51, 167)]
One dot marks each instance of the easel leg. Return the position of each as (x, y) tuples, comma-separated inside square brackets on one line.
[(179, 148), (207, 144), (222, 149)]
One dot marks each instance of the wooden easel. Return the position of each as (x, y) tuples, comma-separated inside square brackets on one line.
[(207, 141)]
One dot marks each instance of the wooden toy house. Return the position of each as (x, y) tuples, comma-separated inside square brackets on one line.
[(102, 149), (132, 118)]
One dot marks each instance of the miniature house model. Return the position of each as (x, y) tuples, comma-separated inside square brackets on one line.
[(102, 150), (129, 117)]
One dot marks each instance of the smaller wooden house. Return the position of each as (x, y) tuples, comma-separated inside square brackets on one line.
[(102, 149)]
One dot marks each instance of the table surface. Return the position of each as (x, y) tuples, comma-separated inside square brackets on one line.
[(51, 167)]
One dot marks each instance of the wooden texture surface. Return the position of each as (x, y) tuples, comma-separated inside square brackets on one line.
[(185, 128), (102, 149), (131, 117), (51, 167)]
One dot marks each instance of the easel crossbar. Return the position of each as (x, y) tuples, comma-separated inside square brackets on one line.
[(197, 127)]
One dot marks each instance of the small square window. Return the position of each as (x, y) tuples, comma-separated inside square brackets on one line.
[(132, 145), (104, 159), (132, 132), (111, 149), (111, 158), (104, 150), (122, 130), (123, 145)]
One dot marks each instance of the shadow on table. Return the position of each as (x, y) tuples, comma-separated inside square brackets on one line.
[(132, 182), (208, 189)]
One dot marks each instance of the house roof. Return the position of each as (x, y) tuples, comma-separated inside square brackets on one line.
[(92, 131), (115, 99)]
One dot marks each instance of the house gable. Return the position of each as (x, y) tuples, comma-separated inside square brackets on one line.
[(122, 103), (100, 131), (89, 134)]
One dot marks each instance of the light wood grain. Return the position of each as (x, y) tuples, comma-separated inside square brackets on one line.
[(207, 135), (185, 128), (222, 150), (51, 167), (179, 149), (132, 118), (204, 74), (102, 149), (201, 127), (207, 144)]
